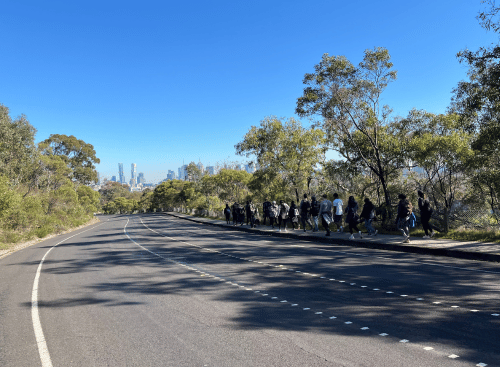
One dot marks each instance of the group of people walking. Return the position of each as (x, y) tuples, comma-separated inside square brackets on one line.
[(313, 212)]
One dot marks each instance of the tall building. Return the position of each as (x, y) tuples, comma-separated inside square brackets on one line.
[(211, 170), (140, 178), (121, 175), (113, 178), (171, 175), (183, 172), (250, 168), (200, 167)]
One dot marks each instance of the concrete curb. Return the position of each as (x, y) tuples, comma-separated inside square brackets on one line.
[(468, 255)]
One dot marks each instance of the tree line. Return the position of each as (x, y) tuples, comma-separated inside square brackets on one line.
[(43, 187)]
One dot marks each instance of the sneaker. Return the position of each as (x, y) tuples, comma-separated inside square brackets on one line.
[(426, 236), (407, 240), (279, 230), (360, 235), (376, 231), (341, 229), (352, 237), (285, 229)]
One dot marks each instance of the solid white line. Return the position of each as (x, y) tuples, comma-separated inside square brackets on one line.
[(35, 315)]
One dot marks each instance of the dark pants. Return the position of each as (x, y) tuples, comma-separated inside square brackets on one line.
[(294, 221), (252, 220), (228, 218), (282, 221), (306, 218), (272, 221), (426, 225), (353, 225), (266, 215)]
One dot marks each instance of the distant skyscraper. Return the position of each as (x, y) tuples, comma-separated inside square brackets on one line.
[(113, 178), (140, 178), (171, 175), (211, 170), (121, 175), (133, 175), (183, 172), (250, 168), (200, 167)]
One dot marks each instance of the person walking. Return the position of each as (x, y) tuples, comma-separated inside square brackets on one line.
[(273, 214), (235, 213), (337, 212), (247, 212), (252, 211), (266, 206), (405, 209), (283, 214), (293, 214), (325, 212), (305, 216), (227, 213), (367, 215), (352, 217), (425, 214), (315, 212)]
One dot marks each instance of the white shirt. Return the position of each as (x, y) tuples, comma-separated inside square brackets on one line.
[(338, 203)]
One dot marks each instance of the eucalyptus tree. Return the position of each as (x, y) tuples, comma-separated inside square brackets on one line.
[(442, 149), (18, 152), (348, 99), (78, 155), (287, 148)]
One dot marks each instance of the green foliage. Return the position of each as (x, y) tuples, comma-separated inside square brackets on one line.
[(41, 194), (356, 126), (287, 149), (18, 152), (76, 154)]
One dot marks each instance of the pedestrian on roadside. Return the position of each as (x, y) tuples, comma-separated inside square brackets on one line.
[(247, 212), (325, 212), (352, 217), (315, 212), (293, 214), (235, 213), (405, 209), (337, 212), (305, 216), (367, 215), (266, 206), (425, 214), (252, 211), (241, 214), (227, 213), (283, 214), (273, 214)]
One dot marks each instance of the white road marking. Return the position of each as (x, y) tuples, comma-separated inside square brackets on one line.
[(428, 348), (383, 334), (453, 356), (404, 341), (43, 350), (365, 328)]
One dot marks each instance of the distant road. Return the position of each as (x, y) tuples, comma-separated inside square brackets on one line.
[(154, 290)]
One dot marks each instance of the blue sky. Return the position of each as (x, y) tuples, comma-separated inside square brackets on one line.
[(157, 83)]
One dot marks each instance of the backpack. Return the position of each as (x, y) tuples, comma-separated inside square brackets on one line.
[(296, 212), (413, 220), (252, 209)]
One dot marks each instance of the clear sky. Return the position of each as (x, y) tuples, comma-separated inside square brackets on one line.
[(157, 83)]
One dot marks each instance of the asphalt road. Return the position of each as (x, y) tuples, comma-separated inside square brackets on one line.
[(153, 290)]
